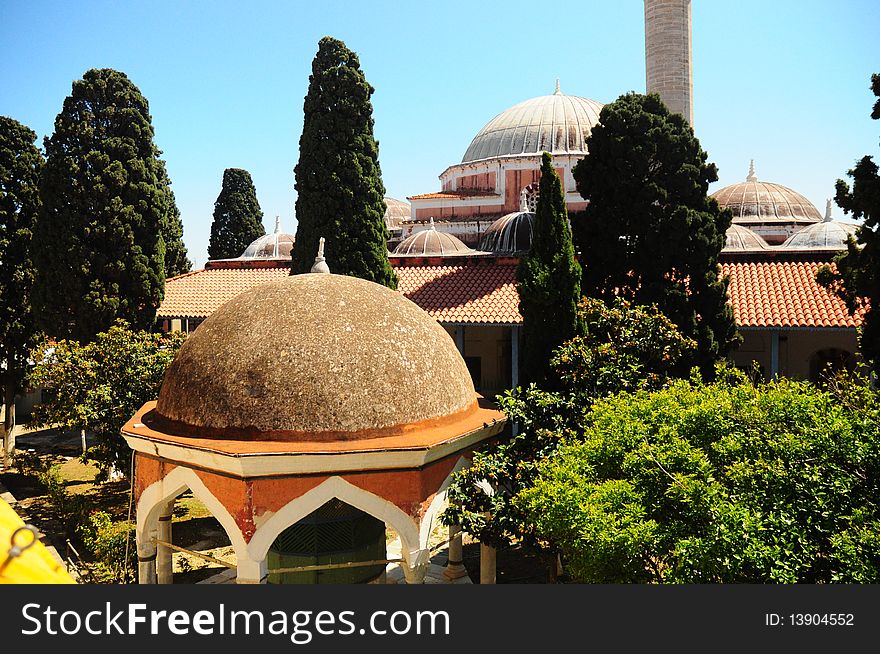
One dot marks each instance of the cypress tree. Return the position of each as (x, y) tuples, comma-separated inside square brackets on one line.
[(238, 219), (99, 250), (548, 279), (176, 260), (20, 166), (340, 194), (857, 278), (650, 233)]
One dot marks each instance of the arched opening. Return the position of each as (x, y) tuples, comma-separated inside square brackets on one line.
[(335, 533), (826, 363), (528, 198)]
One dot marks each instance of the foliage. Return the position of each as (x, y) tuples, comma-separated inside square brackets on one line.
[(340, 195), (857, 275), (238, 219), (98, 386), (66, 508), (98, 244), (176, 260), (548, 282), (20, 166), (718, 483), (108, 541), (645, 345), (650, 233)]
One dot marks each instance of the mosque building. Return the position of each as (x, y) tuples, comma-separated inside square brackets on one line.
[(284, 410)]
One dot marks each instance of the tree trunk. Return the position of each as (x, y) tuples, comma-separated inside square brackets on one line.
[(8, 422)]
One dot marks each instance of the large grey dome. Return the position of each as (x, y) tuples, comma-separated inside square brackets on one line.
[(558, 124)]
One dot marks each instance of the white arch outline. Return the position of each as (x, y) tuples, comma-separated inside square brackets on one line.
[(335, 487), (427, 523), (159, 493)]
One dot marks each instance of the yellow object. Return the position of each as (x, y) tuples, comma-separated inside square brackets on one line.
[(24, 559)]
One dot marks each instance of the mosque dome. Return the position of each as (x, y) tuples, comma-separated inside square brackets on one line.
[(315, 357), (396, 211), (753, 201), (826, 235), (739, 238), (276, 245), (429, 242), (558, 124), (509, 234)]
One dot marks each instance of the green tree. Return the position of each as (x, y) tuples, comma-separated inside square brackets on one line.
[(340, 195), (718, 483), (857, 275), (97, 386), (20, 166), (548, 281), (622, 348), (99, 250), (176, 260), (650, 232), (238, 219)]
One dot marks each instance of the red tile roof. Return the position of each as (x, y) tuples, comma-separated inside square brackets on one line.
[(783, 294), (454, 195), (764, 294)]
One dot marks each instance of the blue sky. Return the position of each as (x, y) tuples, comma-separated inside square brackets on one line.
[(785, 82)]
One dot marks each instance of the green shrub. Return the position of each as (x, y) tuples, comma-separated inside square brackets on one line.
[(106, 540)]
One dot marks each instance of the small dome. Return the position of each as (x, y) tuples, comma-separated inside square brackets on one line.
[(314, 357), (509, 234), (739, 238), (753, 201), (826, 235), (396, 211), (276, 245), (430, 242), (558, 124)]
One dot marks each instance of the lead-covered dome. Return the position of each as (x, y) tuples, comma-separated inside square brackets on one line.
[(277, 245), (742, 239), (510, 234), (826, 235), (396, 211), (757, 202), (558, 124), (315, 357), (431, 243)]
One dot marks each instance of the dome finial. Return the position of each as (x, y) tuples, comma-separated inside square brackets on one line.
[(431, 223), (320, 265), (751, 177), (558, 91), (827, 218), (277, 224)]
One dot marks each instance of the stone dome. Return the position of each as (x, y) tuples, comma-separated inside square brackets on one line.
[(558, 124), (276, 245), (509, 234), (429, 242), (753, 201), (826, 235), (396, 211), (739, 238), (314, 357)]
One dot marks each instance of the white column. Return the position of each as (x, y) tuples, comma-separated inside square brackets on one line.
[(249, 571), (164, 567), (454, 566), (146, 551), (487, 564), (415, 566), (514, 356)]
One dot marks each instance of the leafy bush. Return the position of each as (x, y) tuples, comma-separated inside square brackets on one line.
[(725, 482), (106, 539)]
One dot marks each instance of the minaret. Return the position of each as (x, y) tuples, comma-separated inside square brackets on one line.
[(668, 54)]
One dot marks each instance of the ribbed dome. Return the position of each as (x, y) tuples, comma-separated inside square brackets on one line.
[(430, 242), (276, 245), (509, 234), (741, 238), (314, 357), (396, 212), (558, 124), (827, 235), (753, 201)]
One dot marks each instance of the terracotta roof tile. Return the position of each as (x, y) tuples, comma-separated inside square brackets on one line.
[(454, 195), (763, 293)]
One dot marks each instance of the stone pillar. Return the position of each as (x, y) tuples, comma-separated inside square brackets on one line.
[(487, 564), (146, 563), (668, 55), (249, 571), (415, 566), (164, 566), (454, 566)]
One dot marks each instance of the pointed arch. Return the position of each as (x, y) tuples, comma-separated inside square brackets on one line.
[(427, 523), (159, 493), (338, 488)]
